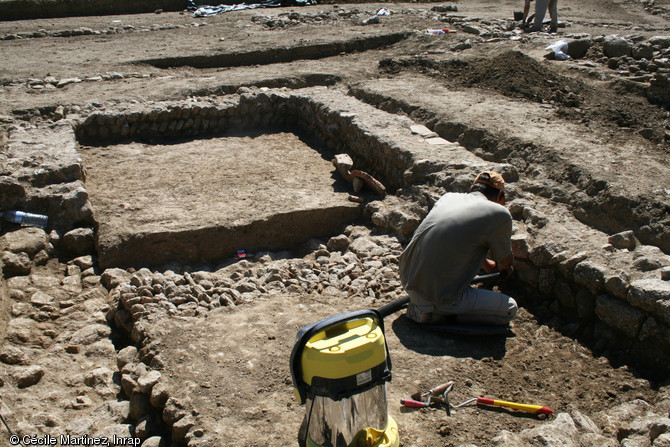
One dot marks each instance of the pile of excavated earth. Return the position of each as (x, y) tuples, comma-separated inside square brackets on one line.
[(200, 213)]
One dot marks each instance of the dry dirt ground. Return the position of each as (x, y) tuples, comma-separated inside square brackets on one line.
[(505, 86)]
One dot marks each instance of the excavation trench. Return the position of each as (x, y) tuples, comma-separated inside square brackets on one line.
[(254, 173), (279, 54)]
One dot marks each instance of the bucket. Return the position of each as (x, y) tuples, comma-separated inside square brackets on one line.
[(340, 366)]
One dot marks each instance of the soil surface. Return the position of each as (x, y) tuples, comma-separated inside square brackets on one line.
[(535, 366), (232, 365)]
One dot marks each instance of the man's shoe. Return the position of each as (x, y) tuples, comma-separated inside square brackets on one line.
[(532, 29), (553, 30)]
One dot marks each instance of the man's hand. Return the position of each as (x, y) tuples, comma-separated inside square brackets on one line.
[(505, 265), (489, 266)]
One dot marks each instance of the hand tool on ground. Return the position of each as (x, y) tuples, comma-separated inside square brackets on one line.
[(417, 401), (439, 389), (445, 388), (535, 409)]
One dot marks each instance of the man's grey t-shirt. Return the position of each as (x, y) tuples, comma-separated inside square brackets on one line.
[(449, 247)]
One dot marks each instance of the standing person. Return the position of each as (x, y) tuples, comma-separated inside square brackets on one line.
[(541, 7), (449, 248)]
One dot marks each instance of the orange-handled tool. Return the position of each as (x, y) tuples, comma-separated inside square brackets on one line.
[(439, 389), (414, 403), (537, 409)]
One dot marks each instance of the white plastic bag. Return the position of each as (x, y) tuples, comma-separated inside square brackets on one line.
[(560, 50)]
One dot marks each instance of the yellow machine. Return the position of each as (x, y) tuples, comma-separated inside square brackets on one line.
[(340, 366)]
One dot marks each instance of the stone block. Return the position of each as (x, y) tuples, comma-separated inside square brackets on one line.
[(140, 406), (652, 295), (28, 376), (618, 284), (590, 275), (544, 255), (27, 240), (577, 48), (173, 411), (616, 46), (647, 258), (659, 41), (147, 381), (521, 246), (567, 265), (15, 264), (642, 51), (623, 240), (80, 241), (620, 315)]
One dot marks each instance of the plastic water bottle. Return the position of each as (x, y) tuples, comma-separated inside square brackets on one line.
[(25, 219), (437, 32)]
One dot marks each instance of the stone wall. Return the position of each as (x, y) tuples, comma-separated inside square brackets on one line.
[(332, 128)]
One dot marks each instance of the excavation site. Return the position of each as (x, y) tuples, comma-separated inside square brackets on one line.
[(203, 209)]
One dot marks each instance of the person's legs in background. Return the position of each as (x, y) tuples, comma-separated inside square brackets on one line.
[(540, 11), (553, 13)]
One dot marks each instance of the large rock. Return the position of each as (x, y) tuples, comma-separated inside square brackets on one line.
[(113, 277), (660, 41), (28, 376), (14, 264), (616, 46), (148, 380), (11, 192), (620, 315), (154, 441), (140, 406), (28, 240), (652, 295), (13, 355), (116, 411), (647, 257), (90, 334), (80, 241), (643, 51), (590, 275), (125, 356), (577, 48), (623, 240)]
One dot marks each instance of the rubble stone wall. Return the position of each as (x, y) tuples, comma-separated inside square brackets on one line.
[(337, 131)]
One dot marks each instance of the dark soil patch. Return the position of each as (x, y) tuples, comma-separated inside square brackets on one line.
[(516, 75)]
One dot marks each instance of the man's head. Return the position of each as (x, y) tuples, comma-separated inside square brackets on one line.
[(492, 185)]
